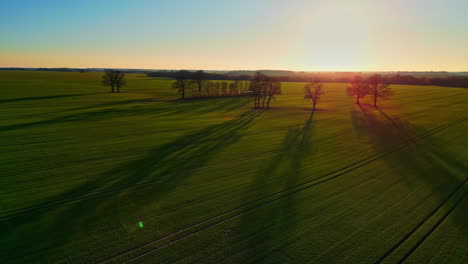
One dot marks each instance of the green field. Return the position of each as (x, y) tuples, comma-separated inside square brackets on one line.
[(140, 177)]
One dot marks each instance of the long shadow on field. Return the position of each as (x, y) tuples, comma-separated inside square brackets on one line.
[(20, 99), (162, 170), (170, 108), (268, 229), (428, 167), (189, 106)]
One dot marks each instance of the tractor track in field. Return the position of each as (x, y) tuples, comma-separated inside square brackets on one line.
[(25, 210), (423, 221), (253, 205), (421, 241)]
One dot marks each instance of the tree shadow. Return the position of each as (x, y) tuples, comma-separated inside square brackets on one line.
[(157, 174), (430, 163), (169, 108), (20, 99), (117, 103), (269, 228)]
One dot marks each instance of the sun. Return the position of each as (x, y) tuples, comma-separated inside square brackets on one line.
[(335, 38)]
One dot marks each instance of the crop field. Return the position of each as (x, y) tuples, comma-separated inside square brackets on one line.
[(141, 177)]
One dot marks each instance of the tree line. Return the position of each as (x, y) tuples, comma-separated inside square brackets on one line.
[(440, 80), (199, 85), (407, 78)]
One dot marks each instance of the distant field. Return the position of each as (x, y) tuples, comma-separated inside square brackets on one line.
[(139, 177)]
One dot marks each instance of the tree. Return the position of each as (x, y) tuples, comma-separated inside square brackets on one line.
[(233, 88), (114, 79), (199, 78), (313, 91), (358, 88), (183, 82), (379, 88), (273, 88), (224, 87), (257, 88)]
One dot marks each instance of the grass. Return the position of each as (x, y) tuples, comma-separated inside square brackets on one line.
[(94, 177)]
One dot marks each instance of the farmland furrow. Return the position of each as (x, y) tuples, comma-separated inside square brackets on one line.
[(421, 241), (423, 221), (238, 211)]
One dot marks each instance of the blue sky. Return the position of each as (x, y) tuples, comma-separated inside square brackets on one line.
[(256, 34)]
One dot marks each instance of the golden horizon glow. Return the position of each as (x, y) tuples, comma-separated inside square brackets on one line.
[(300, 35)]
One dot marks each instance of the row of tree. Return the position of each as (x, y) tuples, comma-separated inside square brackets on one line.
[(197, 85), (262, 88)]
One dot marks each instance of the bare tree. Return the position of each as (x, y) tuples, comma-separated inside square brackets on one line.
[(183, 82), (358, 88), (114, 79), (273, 88), (263, 89), (379, 88), (235, 87), (199, 78), (224, 86), (207, 86), (218, 93), (257, 87), (314, 91)]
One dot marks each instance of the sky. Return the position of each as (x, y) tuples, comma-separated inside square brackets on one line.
[(307, 35)]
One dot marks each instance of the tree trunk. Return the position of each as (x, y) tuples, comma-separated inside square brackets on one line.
[(375, 100), (357, 98)]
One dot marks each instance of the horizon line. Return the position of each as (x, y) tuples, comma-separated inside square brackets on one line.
[(223, 70)]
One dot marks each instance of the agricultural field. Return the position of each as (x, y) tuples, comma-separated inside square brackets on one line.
[(141, 177)]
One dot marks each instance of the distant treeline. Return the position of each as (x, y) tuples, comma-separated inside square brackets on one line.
[(81, 70), (207, 75), (449, 81), (199, 85), (435, 78)]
